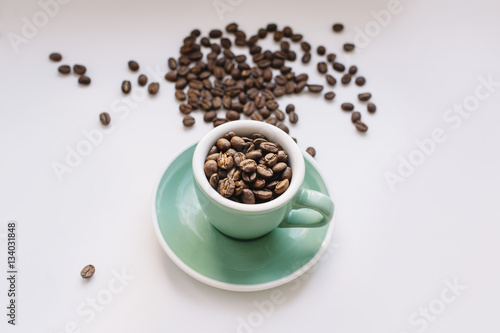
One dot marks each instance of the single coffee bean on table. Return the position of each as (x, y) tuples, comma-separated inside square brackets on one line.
[(188, 121), (353, 70), (105, 118), (55, 57), (355, 117), (371, 107), (133, 65), (347, 106), (311, 151), (364, 96), (87, 271), (360, 126), (338, 27), (338, 67), (331, 80), (321, 50), (64, 69), (322, 68), (360, 81), (346, 79), (79, 69), (153, 88), (315, 88), (85, 80), (126, 86), (329, 95), (142, 80), (348, 47), (248, 170)]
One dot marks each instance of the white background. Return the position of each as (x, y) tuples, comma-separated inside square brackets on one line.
[(393, 250)]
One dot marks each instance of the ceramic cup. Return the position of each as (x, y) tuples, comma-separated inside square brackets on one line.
[(295, 208)]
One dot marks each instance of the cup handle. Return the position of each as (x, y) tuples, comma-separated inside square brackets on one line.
[(314, 200)]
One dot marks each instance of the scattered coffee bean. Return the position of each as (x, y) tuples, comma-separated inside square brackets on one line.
[(153, 89), (85, 80), (134, 66), (346, 79), (64, 69), (306, 58), (364, 96), (347, 106), (126, 86), (338, 67), (172, 64), (311, 151), (355, 117), (353, 70), (105, 118), (79, 69), (322, 68), (321, 50), (55, 57), (87, 271), (188, 121), (289, 108), (315, 88), (331, 80), (360, 81), (293, 117), (338, 27), (360, 126), (331, 57), (348, 47), (371, 107), (329, 95), (142, 80), (232, 27)]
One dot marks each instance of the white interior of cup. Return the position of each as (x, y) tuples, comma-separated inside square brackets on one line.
[(245, 128)]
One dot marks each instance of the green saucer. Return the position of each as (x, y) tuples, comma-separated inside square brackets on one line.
[(223, 262)]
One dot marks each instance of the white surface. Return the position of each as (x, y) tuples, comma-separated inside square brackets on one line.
[(393, 249)]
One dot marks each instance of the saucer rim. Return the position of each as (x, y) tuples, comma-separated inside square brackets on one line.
[(240, 287)]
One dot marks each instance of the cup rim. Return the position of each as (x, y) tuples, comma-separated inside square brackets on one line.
[(295, 157)]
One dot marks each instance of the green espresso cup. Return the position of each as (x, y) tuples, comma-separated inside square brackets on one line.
[(295, 208)]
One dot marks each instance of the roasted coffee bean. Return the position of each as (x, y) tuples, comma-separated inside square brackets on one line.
[(269, 147), (229, 136), (364, 96), (209, 116), (223, 144), (172, 64), (271, 27), (134, 66), (216, 33), (265, 113), (287, 174), (348, 47), (180, 95), (259, 184), (338, 67), (355, 117), (322, 68), (256, 116), (282, 156), (331, 57), (225, 161), (280, 115), (212, 156), (315, 88), (331, 80), (219, 121), (248, 165), (360, 81), (279, 167), (353, 70), (237, 143), (271, 185), (210, 168), (188, 121), (263, 194), (282, 186), (289, 108), (293, 117), (306, 58), (360, 126), (222, 174), (371, 107), (180, 84), (232, 115), (300, 87), (87, 271), (301, 77), (213, 150), (329, 95), (254, 154), (270, 159), (142, 80), (105, 118), (238, 158), (231, 152), (247, 197), (321, 50), (153, 88), (85, 80), (347, 106), (338, 27), (170, 76), (126, 86), (249, 177), (311, 151), (214, 180), (185, 108), (287, 31), (232, 27), (64, 69), (346, 79), (79, 69), (226, 187), (55, 56)]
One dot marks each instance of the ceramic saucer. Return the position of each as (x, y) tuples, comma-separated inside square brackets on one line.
[(209, 256)]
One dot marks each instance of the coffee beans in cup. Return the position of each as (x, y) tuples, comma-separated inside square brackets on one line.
[(248, 170)]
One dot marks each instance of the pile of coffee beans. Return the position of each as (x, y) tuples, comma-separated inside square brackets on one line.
[(248, 170), (66, 69)]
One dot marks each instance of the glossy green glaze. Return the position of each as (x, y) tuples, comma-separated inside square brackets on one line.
[(204, 252)]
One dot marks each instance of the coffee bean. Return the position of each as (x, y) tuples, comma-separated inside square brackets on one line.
[(237, 143), (331, 80), (64, 69), (126, 86), (87, 271), (321, 50), (79, 69), (185, 108), (188, 121), (85, 80), (153, 90), (214, 180), (269, 147), (55, 56), (180, 95), (219, 121), (360, 81), (300, 86), (278, 35), (248, 165), (315, 88), (353, 70), (293, 117), (263, 194), (226, 187), (254, 154), (348, 47), (364, 96), (223, 144), (279, 167), (280, 115), (338, 67), (346, 79), (322, 68), (306, 58), (360, 126), (232, 115), (170, 76), (282, 156), (282, 186), (301, 77), (296, 37), (105, 118), (271, 27), (209, 116), (289, 108), (287, 174), (247, 197), (210, 168), (270, 159), (331, 57), (347, 106), (249, 177), (329, 95), (338, 27), (311, 151), (371, 107), (172, 64), (355, 117), (232, 27), (142, 80), (134, 66)]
